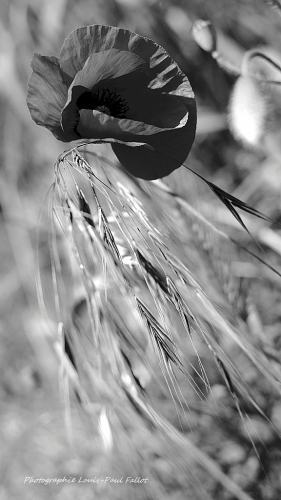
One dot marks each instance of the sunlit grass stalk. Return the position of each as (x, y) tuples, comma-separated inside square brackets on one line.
[(149, 304)]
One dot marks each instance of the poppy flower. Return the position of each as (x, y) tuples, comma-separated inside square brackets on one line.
[(114, 85)]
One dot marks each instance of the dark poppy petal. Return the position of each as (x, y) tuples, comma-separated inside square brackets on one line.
[(151, 106), (97, 125), (162, 97), (164, 73), (47, 94), (154, 106), (93, 124), (92, 39), (108, 64), (122, 88), (70, 115), (170, 151)]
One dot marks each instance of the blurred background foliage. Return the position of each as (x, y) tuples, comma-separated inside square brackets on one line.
[(32, 430)]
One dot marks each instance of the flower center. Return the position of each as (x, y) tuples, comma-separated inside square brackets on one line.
[(104, 100), (101, 99)]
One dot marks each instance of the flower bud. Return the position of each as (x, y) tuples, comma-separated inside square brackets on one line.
[(205, 35), (249, 110)]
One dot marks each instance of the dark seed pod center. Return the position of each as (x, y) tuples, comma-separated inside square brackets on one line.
[(105, 100)]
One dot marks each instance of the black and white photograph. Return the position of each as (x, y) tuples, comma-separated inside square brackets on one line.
[(140, 249)]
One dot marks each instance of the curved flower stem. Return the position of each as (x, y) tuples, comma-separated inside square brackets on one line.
[(234, 70), (265, 57), (257, 54)]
